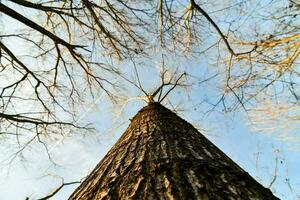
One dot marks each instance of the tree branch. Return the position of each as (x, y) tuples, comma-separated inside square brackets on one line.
[(58, 189), (17, 16), (212, 22)]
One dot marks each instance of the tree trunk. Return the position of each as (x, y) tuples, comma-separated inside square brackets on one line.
[(161, 156)]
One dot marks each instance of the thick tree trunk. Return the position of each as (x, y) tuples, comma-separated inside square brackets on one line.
[(161, 156)]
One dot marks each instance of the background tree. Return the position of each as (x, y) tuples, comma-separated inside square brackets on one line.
[(57, 57)]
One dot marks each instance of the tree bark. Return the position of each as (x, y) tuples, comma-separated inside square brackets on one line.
[(161, 156)]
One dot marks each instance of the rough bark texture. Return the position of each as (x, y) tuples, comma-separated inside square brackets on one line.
[(161, 156)]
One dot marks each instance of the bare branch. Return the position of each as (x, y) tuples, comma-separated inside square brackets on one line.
[(52, 194)]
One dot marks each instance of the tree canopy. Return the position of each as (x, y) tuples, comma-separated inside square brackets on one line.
[(57, 57)]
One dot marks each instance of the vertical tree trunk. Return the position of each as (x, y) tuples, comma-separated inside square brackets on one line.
[(161, 156)]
